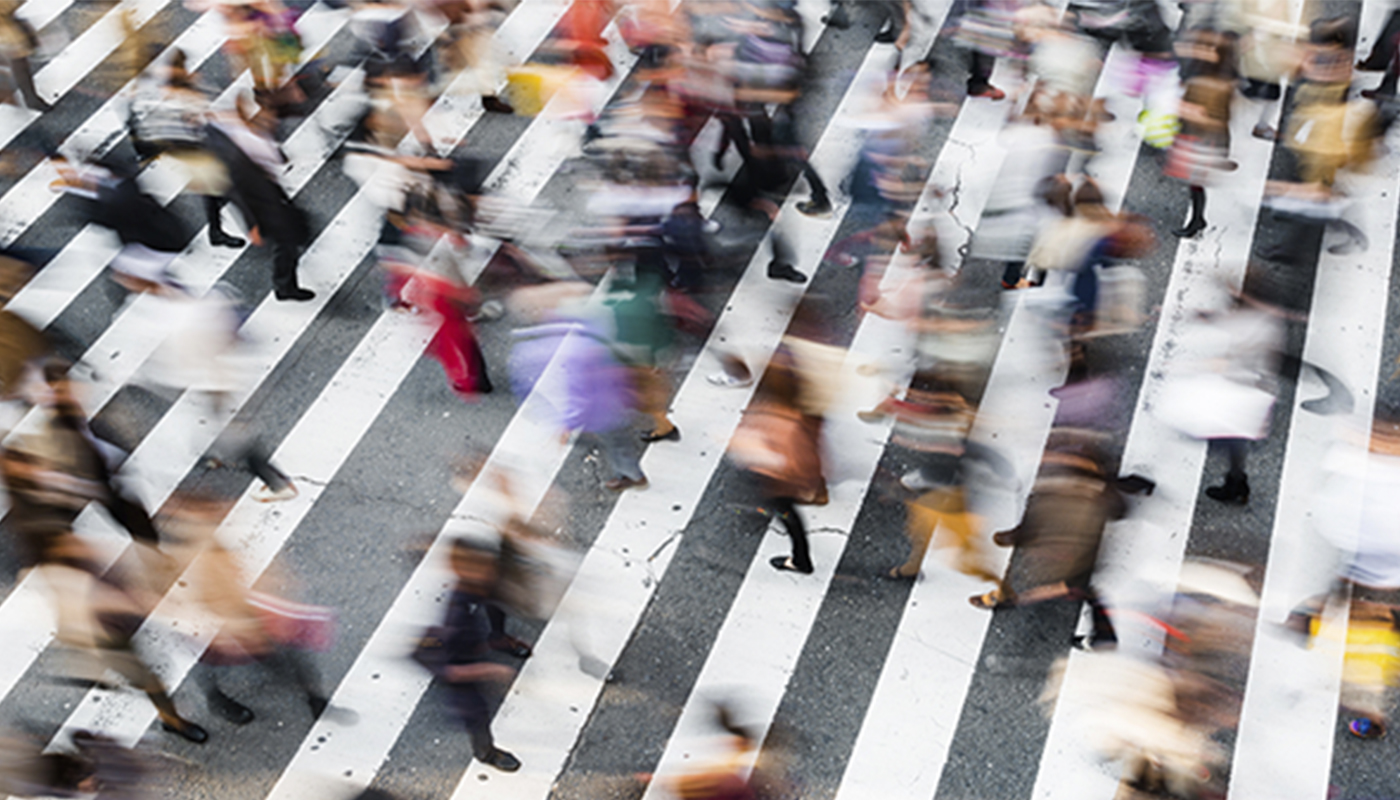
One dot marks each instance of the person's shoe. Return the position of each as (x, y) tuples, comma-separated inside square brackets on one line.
[(673, 435), (1005, 538), (727, 381), (624, 483), (490, 311), (1265, 132), (814, 209), (1364, 728), (1374, 94), (266, 494), (496, 105), (511, 646), (187, 730), (1357, 243), (780, 271), (786, 564), (915, 481), (872, 415), (1234, 491), (838, 18), (501, 760), (886, 36), (318, 705), (1192, 229), (221, 239), (990, 92), (297, 295), (1370, 65), (230, 709)]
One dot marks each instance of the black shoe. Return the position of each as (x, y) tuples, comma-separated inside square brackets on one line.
[(230, 709), (1234, 491), (786, 564), (296, 295), (812, 208), (779, 271), (838, 18), (1192, 229), (496, 105), (318, 705), (501, 760), (886, 36), (221, 239), (187, 730), (511, 646), (1136, 484), (673, 435)]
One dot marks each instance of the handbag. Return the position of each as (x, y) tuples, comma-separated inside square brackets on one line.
[(430, 651), (772, 443)]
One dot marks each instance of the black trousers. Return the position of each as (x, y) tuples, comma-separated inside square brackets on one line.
[(785, 510)]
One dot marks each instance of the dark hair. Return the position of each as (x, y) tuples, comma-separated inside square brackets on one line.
[(1088, 193)]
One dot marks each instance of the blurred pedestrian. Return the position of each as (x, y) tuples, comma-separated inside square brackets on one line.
[(244, 143), (777, 444), (455, 651), (1201, 151), (1059, 535), (18, 41)]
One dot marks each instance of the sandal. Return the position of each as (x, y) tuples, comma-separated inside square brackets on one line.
[(987, 601), (898, 574)]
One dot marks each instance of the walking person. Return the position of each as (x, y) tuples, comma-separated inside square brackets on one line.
[(1201, 150), (455, 652), (18, 41), (245, 144), (778, 446)]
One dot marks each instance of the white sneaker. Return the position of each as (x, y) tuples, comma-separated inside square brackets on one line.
[(265, 494), (729, 381), (915, 481)]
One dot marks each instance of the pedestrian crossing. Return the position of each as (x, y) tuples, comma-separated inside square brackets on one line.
[(920, 680)]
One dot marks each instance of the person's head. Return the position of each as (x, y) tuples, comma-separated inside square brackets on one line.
[(474, 563)]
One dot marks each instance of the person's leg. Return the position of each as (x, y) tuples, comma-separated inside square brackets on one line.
[(284, 272), (219, 702), (296, 667), (213, 208), (1383, 51), (653, 392), (820, 203), (1197, 223), (124, 661), (781, 267), (838, 17), (620, 453), (786, 512), (979, 79), (471, 706), (255, 458), (920, 523), (1011, 275), (1236, 487), (1103, 626), (24, 80), (132, 516)]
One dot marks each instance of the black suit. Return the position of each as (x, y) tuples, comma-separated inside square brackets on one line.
[(261, 200)]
